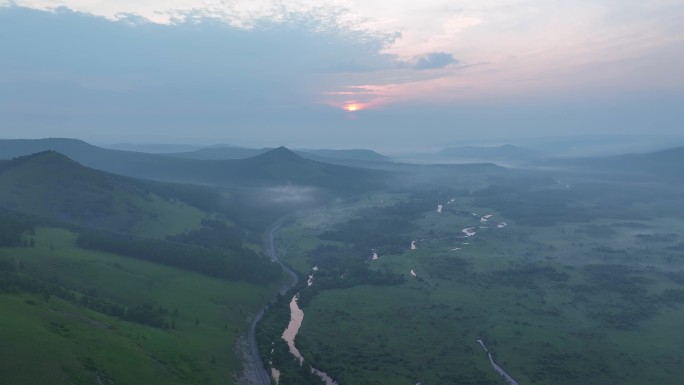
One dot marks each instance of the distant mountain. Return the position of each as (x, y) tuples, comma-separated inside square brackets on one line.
[(603, 145), (283, 166), (220, 153), (51, 185), (355, 154), (661, 164), (153, 148), (359, 158), (92, 156), (276, 167), (504, 152)]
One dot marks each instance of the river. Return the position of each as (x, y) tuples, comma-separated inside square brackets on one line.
[(297, 317), (496, 367), (262, 377)]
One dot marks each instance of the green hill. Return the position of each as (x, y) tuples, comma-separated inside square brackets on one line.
[(50, 185), (90, 317)]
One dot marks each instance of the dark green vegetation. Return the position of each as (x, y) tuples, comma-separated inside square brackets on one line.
[(583, 284), (107, 279), (49, 184), (274, 350), (111, 279), (237, 264)]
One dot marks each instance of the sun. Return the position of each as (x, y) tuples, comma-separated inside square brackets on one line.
[(352, 107)]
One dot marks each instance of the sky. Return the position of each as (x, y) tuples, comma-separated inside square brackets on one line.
[(346, 73)]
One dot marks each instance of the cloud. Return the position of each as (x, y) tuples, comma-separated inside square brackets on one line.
[(434, 60), (80, 70), (274, 72)]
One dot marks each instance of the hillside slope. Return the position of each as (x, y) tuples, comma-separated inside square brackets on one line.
[(50, 185)]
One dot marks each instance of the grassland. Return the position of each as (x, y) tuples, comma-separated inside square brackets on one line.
[(593, 300), (48, 340)]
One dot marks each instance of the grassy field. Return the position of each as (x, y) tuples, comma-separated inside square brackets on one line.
[(166, 218), (74, 345), (591, 302)]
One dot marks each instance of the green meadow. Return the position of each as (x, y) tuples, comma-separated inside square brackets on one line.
[(72, 344), (592, 301)]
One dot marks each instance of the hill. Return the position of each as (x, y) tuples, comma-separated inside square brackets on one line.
[(51, 185), (90, 317), (160, 148), (358, 158), (220, 153), (115, 161), (272, 170), (353, 154), (282, 166)]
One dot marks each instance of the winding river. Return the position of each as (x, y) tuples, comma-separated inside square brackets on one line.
[(496, 367), (262, 377), (297, 316)]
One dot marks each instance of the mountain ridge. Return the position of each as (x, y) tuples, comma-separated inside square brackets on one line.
[(282, 166)]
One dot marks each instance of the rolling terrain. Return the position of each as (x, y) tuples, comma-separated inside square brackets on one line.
[(87, 317), (565, 277), (354, 158), (272, 168), (114, 280)]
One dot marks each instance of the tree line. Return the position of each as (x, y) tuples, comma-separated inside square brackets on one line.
[(245, 265), (14, 280)]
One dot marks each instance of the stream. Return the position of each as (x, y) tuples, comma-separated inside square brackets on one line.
[(297, 317), (496, 367), (262, 377)]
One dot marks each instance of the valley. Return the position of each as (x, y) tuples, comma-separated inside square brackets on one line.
[(341, 192), (464, 274), (555, 298)]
